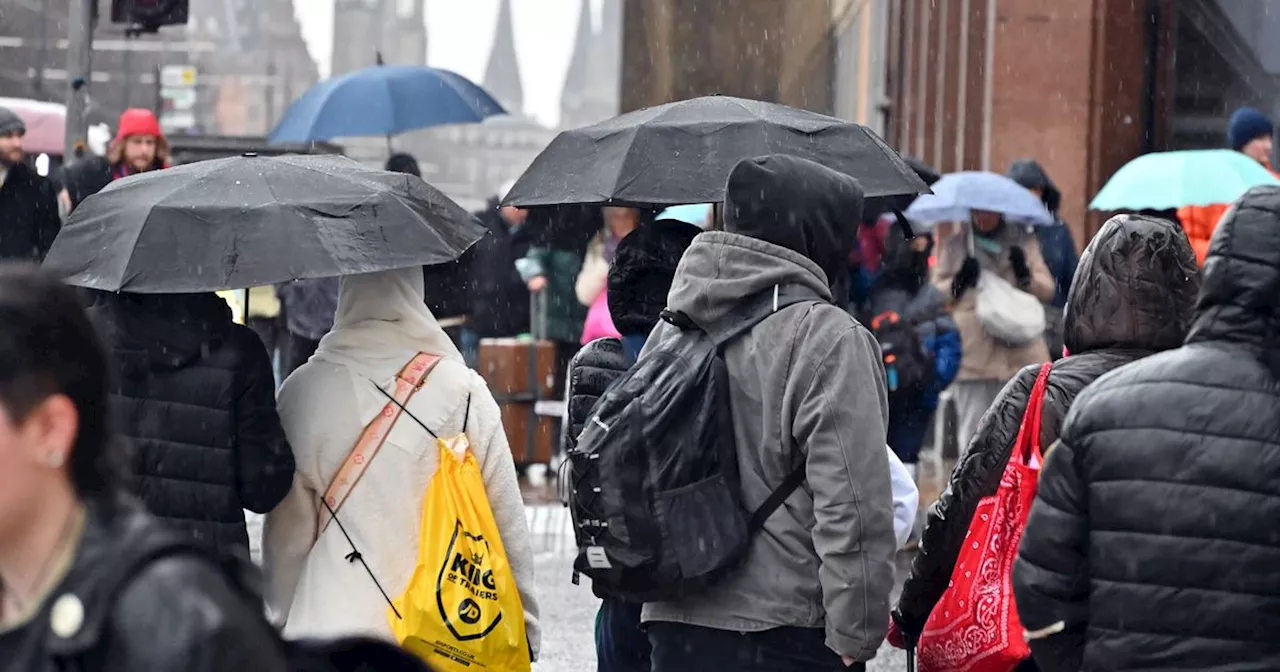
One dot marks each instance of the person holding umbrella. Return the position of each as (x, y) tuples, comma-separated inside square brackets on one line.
[(982, 249), (195, 394), (195, 391), (315, 588)]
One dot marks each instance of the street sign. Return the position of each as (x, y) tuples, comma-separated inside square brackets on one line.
[(176, 76), (178, 97)]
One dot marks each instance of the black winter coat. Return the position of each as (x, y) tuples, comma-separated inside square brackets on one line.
[(1131, 296), (499, 298), (28, 215), (195, 395), (174, 613), (1153, 543)]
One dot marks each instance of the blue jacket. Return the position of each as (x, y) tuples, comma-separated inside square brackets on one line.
[(1059, 252)]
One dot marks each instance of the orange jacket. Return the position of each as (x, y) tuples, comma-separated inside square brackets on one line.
[(1199, 221)]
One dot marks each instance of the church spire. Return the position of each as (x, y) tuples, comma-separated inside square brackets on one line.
[(591, 90), (502, 74)]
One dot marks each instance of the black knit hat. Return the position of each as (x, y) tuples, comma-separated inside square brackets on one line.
[(10, 122), (642, 271)]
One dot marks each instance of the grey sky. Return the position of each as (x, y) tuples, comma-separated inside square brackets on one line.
[(460, 35)]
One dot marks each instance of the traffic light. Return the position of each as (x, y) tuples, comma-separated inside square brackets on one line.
[(148, 15)]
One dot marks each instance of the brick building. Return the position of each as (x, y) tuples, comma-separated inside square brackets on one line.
[(1082, 85)]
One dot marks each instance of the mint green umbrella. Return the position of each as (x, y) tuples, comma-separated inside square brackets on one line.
[(1167, 180)]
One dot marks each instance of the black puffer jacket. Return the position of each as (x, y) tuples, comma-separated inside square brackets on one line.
[(499, 298), (178, 612), (1153, 543), (195, 395), (1131, 296)]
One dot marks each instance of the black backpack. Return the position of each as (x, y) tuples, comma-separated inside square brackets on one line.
[(654, 496), (907, 367)]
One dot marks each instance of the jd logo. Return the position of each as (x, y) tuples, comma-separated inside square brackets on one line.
[(469, 611), (466, 591)]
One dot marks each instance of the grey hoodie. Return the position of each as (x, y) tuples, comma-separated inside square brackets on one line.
[(807, 385)]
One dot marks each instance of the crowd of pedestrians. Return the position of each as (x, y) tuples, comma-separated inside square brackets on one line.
[(137, 428)]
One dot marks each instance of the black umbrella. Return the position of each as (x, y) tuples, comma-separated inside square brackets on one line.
[(682, 153), (250, 221), (924, 170)]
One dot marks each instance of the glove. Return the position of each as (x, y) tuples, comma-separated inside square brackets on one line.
[(898, 637), (1018, 259), (966, 277)]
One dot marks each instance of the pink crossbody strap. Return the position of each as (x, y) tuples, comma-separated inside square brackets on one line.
[(408, 381)]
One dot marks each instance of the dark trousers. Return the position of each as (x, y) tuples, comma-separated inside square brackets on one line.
[(684, 648), (621, 644)]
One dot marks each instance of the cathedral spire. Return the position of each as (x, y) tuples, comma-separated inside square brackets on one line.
[(590, 91), (502, 74)]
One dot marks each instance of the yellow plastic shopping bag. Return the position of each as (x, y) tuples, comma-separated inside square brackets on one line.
[(461, 609)]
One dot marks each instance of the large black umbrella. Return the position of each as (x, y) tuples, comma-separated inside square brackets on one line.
[(252, 220), (682, 153)]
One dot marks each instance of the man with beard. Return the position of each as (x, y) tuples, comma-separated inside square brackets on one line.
[(139, 146), (28, 203)]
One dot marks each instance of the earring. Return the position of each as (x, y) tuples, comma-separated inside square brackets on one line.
[(54, 459)]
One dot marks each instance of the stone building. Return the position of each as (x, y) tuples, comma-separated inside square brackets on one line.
[(591, 85), (363, 29), (472, 162), (249, 55)]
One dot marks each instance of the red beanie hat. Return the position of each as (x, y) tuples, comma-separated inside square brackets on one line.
[(137, 121)]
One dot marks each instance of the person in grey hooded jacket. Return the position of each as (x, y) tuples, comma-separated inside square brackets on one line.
[(807, 386)]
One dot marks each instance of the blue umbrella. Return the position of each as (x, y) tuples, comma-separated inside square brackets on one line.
[(1167, 180), (384, 100), (696, 213), (957, 195)]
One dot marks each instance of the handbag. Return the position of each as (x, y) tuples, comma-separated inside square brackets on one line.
[(1008, 314), (975, 627)]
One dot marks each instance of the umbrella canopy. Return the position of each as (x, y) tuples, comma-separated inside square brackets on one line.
[(926, 172), (46, 124), (682, 153), (252, 220), (384, 100), (957, 195), (1167, 180)]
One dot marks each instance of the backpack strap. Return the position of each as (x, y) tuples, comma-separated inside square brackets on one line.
[(776, 498), (408, 381), (756, 308)]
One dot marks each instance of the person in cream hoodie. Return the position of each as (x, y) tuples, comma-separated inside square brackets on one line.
[(381, 324)]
